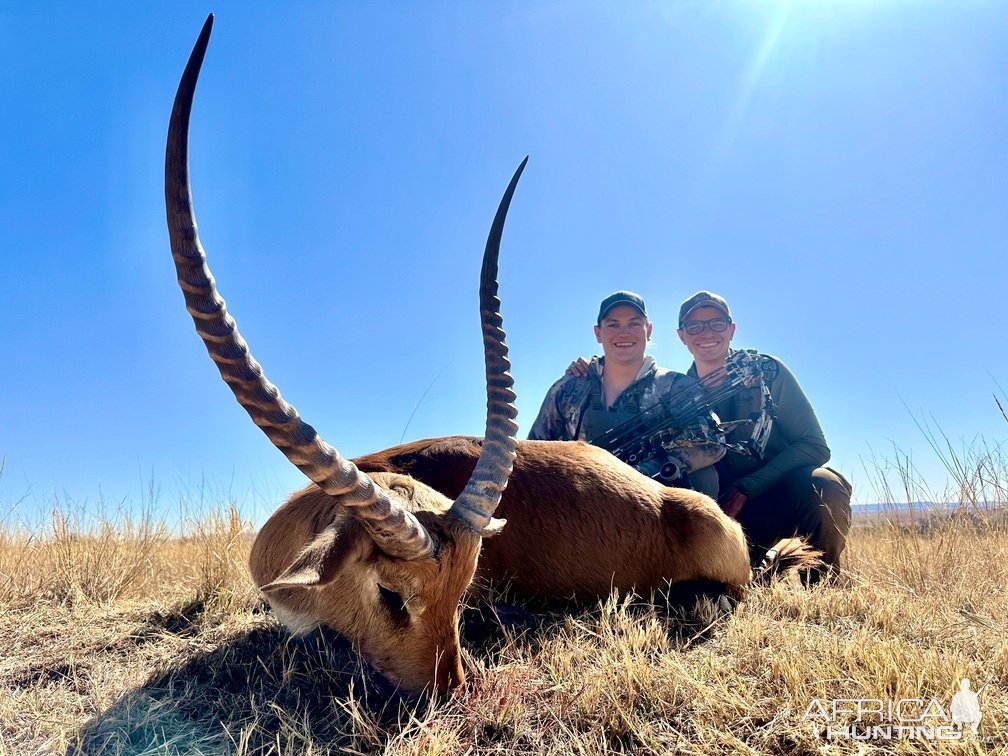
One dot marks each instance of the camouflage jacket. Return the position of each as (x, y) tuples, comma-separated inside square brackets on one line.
[(563, 409)]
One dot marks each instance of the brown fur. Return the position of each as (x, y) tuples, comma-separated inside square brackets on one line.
[(411, 632), (787, 556), (580, 523)]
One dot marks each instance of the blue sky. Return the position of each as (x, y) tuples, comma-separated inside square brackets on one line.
[(837, 170)]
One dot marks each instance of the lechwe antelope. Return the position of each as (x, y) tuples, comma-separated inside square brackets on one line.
[(382, 559)]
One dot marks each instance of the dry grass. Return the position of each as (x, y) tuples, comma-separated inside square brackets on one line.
[(120, 638)]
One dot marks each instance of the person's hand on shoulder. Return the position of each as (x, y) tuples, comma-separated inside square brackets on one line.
[(578, 368)]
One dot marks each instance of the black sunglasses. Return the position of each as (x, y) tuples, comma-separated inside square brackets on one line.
[(718, 325)]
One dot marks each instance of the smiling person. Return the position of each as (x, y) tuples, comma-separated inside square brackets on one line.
[(621, 384), (788, 491)]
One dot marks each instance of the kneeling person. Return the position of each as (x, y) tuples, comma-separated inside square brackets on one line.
[(620, 385), (789, 491)]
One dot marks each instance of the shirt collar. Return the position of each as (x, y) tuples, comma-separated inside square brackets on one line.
[(649, 366)]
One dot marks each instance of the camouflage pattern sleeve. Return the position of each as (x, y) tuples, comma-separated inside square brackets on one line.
[(698, 455), (702, 444), (549, 423)]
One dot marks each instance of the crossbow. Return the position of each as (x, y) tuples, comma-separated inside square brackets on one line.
[(685, 417)]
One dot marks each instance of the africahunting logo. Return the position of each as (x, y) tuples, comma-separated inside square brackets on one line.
[(897, 719)]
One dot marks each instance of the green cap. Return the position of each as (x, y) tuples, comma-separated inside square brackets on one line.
[(621, 298), (703, 299)]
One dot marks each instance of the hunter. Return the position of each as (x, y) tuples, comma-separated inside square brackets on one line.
[(621, 384)]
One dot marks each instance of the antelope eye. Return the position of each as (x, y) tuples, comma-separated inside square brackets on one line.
[(394, 604)]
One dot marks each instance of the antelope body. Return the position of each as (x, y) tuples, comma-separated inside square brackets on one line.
[(581, 522)]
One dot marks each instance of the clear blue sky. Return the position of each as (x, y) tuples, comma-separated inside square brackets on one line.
[(837, 170)]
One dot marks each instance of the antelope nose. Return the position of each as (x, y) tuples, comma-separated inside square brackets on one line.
[(448, 672)]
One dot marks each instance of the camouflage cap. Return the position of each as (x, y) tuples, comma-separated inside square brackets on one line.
[(620, 298), (703, 299)]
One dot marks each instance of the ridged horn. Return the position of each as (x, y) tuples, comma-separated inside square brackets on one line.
[(394, 530), (476, 504)]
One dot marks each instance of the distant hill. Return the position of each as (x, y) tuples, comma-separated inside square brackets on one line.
[(917, 506)]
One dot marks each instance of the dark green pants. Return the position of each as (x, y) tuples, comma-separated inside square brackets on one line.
[(813, 502)]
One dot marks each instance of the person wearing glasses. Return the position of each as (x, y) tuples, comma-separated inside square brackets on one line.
[(789, 491), (620, 385)]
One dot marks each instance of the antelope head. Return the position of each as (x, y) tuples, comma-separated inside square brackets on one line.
[(383, 560)]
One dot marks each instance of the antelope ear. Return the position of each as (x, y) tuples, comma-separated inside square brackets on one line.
[(315, 566), (494, 527)]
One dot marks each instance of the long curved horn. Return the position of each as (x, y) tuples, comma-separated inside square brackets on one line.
[(394, 530), (476, 504)]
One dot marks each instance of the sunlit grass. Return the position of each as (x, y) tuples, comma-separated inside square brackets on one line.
[(123, 637)]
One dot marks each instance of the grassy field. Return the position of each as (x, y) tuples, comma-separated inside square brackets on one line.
[(118, 637)]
